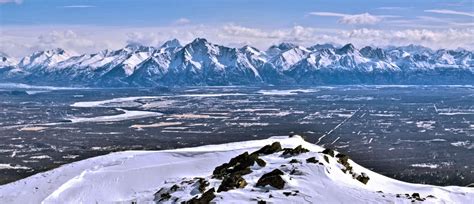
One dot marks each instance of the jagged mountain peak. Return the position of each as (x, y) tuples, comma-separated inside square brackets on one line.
[(346, 49), (200, 41), (275, 50), (415, 49), (322, 46), (50, 52), (173, 43), (286, 46), (371, 52), (248, 48), (201, 62), (46, 58)]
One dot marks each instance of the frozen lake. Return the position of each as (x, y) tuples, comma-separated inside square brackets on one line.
[(413, 133)]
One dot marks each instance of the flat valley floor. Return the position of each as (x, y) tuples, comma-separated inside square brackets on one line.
[(421, 134)]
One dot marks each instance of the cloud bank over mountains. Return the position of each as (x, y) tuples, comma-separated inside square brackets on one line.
[(89, 39), (88, 28)]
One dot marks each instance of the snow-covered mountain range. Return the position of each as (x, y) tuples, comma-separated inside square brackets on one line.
[(203, 63), (274, 170)]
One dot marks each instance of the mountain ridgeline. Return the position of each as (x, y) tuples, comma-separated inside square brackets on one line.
[(203, 63)]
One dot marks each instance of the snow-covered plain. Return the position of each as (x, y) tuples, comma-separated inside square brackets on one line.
[(126, 115), (135, 176)]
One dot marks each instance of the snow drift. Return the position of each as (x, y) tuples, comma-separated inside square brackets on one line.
[(296, 172)]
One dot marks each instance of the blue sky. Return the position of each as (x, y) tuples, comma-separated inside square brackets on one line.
[(29, 25)]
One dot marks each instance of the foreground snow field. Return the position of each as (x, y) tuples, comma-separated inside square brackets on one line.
[(182, 174)]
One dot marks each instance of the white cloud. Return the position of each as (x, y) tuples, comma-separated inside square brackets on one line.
[(11, 1), (439, 38), (451, 12), (332, 14), (182, 21), (79, 6), (363, 18), (393, 8), (19, 42), (236, 30), (22, 40), (143, 38)]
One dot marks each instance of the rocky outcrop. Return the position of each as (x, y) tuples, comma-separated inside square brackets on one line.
[(229, 176), (239, 165), (269, 149), (204, 199), (232, 182), (295, 151), (273, 179)]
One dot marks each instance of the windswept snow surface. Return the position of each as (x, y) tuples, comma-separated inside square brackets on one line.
[(134, 176)]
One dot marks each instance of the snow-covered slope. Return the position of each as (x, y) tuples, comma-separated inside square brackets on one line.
[(201, 62), (304, 174)]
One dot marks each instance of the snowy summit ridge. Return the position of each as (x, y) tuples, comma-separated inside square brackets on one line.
[(276, 170), (201, 62)]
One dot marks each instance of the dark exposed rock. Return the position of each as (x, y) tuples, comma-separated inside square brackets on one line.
[(294, 193), (470, 185), (326, 158), (344, 160), (363, 178), (312, 160), (175, 187), (329, 152), (297, 150), (261, 162), (269, 149), (232, 182), (296, 172), (237, 165), (415, 195), (261, 202), (203, 184), (273, 179), (294, 161), (204, 199), (164, 196)]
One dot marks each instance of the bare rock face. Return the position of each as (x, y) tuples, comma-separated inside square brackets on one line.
[(344, 160), (261, 162), (326, 158), (296, 151), (232, 182), (312, 160), (269, 149), (238, 165), (204, 199), (329, 152), (363, 178), (273, 179), (203, 184)]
